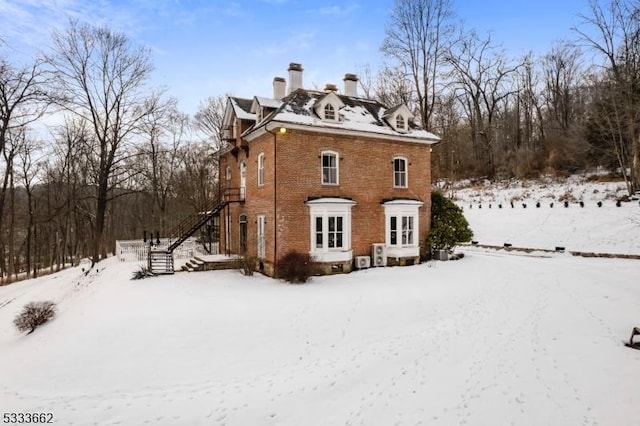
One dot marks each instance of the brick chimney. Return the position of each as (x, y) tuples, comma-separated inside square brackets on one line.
[(279, 88), (330, 87), (350, 85), (295, 77)]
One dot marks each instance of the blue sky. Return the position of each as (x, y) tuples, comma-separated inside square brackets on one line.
[(205, 48)]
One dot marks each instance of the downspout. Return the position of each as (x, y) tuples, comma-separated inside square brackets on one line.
[(275, 200)]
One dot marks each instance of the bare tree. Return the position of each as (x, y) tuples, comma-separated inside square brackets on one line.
[(418, 36), (30, 169), (71, 214), (101, 77), (210, 119), (22, 96), (612, 29), (196, 182), (166, 132), (483, 80), (22, 101), (393, 88), (563, 75)]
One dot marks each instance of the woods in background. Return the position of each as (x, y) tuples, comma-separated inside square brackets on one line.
[(577, 106), (121, 157)]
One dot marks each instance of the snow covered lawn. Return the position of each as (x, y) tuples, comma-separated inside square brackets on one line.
[(606, 229), (493, 339), (496, 338)]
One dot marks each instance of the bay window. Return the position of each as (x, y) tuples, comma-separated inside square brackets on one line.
[(330, 229)]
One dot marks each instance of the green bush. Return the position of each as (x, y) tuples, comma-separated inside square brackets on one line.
[(33, 315), (142, 273), (294, 267), (448, 225)]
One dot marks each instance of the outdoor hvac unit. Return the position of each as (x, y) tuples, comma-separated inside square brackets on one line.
[(363, 262), (379, 255)]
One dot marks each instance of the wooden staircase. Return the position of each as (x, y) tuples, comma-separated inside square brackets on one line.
[(160, 262), (206, 263), (193, 265), (186, 228)]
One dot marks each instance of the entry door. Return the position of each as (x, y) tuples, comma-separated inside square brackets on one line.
[(261, 237)]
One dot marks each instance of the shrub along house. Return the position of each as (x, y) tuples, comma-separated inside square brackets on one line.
[(336, 175)]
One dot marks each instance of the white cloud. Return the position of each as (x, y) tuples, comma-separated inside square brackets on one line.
[(341, 10)]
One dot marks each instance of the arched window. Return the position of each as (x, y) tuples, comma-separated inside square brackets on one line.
[(329, 112), (400, 122)]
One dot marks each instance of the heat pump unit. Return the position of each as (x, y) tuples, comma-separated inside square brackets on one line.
[(379, 255), (363, 262)]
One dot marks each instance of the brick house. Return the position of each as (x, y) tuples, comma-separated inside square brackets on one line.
[(332, 174)]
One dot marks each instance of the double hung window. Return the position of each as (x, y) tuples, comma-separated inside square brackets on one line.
[(400, 172), (329, 168)]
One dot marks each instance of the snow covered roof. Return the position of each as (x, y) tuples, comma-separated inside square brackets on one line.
[(357, 115), (242, 108), (265, 103)]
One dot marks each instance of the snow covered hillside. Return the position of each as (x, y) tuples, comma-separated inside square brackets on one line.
[(493, 339), (586, 227)]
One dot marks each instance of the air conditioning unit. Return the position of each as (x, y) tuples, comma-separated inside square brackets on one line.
[(363, 262), (379, 254)]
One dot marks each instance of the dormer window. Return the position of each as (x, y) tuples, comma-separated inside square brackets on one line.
[(328, 106), (329, 112), (398, 118)]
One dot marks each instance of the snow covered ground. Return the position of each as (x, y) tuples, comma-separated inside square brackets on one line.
[(493, 339), (605, 229)]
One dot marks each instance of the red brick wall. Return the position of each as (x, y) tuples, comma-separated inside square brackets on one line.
[(365, 175)]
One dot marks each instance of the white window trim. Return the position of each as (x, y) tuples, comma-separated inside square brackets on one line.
[(243, 175), (337, 156), (330, 99), (406, 171), (404, 122), (400, 208), (333, 109), (326, 207), (261, 237), (261, 169)]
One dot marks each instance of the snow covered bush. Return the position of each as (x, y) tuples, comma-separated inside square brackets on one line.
[(295, 267), (448, 225), (33, 315)]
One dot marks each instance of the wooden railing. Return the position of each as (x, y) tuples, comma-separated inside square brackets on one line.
[(138, 250)]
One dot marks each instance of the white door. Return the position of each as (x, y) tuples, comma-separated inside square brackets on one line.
[(261, 236)]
